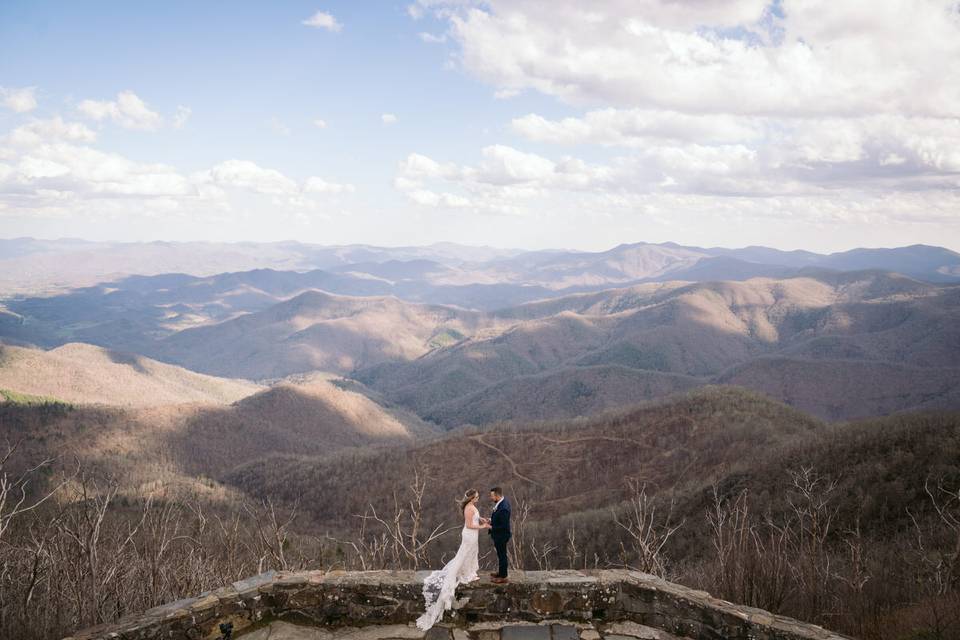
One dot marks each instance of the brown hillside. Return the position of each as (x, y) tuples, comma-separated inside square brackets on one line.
[(185, 442), (572, 473), (563, 467), (882, 321), (844, 389), (316, 330), (564, 393), (85, 373)]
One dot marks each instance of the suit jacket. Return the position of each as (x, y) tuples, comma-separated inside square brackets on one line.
[(500, 520)]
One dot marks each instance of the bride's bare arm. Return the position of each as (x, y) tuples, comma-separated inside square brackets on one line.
[(468, 518)]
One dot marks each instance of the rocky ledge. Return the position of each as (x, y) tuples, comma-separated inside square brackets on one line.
[(535, 605)]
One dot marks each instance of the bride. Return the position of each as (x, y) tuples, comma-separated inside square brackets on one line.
[(439, 586)]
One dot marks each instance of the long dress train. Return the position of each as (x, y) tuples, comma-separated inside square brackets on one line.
[(440, 586)]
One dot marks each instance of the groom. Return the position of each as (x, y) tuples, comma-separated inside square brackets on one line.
[(500, 532)]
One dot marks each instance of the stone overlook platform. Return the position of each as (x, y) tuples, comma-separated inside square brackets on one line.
[(381, 605)]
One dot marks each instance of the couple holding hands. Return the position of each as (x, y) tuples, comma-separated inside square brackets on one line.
[(439, 587)]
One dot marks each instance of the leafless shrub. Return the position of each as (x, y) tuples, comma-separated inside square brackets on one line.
[(937, 561), (648, 530), (573, 552), (752, 554), (409, 538), (272, 531), (541, 554), (13, 490), (812, 505), (518, 533)]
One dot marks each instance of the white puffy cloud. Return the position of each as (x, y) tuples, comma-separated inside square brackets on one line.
[(63, 168), (432, 38), (388, 118), (505, 165), (48, 167), (637, 127), (811, 100), (876, 151), (836, 174), (498, 183), (314, 184), (429, 198), (319, 123), (55, 128), (798, 57), (321, 20), (248, 175), (19, 100), (128, 110)]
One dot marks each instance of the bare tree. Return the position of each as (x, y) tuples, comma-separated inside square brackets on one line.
[(14, 490), (370, 550), (811, 502), (573, 550), (272, 533), (945, 561), (541, 555), (518, 522), (409, 537), (648, 530)]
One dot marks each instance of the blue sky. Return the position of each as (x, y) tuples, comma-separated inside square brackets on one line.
[(514, 125)]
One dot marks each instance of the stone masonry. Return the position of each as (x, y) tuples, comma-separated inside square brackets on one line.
[(535, 605)]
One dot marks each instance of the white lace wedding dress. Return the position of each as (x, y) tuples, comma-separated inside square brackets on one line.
[(439, 586)]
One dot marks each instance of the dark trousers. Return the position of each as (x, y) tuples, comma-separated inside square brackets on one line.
[(500, 544)]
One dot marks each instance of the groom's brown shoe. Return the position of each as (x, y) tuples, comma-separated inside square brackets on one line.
[(500, 580)]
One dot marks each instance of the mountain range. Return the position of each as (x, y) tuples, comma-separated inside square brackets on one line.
[(444, 273), (837, 343)]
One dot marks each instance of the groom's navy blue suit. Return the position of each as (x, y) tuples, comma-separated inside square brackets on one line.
[(500, 532)]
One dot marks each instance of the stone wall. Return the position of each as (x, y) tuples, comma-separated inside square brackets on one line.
[(596, 604)]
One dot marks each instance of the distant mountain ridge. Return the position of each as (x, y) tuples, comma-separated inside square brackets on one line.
[(503, 335), (870, 343), (316, 330), (29, 265)]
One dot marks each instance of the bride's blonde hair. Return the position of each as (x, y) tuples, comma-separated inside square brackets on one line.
[(467, 497)]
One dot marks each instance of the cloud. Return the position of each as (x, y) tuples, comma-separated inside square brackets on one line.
[(429, 198), (880, 157), (83, 172), (314, 184), (20, 100), (181, 116), (248, 175), (499, 183), (822, 104), (388, 118), (431, 38), (321, 20), (638, 127), (128, 110), (48, 167), (53, 129), (811, 57), (320, 124)]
